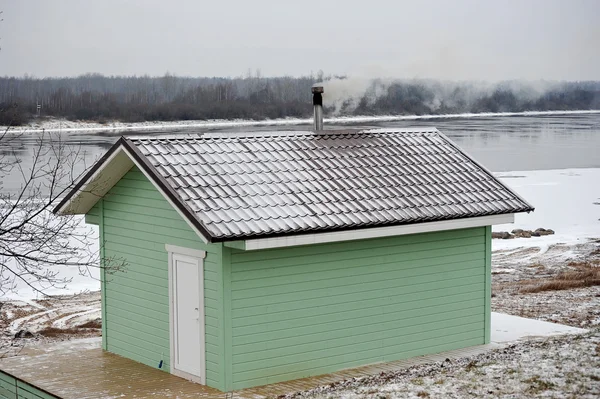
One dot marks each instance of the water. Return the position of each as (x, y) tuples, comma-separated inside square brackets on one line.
[(501, 143)]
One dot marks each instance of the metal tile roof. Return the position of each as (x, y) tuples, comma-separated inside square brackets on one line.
[(266, 184)]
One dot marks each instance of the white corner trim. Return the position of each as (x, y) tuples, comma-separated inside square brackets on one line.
[(307, 239), (140, 167), (194, 253), (176, 251)]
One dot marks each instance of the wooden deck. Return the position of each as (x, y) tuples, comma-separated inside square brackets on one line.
[(75, 371)]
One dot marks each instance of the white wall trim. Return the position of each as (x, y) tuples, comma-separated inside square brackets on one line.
[(307, 239), (194, 253), (185, 252)]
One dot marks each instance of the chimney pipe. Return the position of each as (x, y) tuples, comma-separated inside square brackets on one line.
[(318, 105)]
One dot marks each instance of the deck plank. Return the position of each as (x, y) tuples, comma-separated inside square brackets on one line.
[(95, 374), (72, 372)]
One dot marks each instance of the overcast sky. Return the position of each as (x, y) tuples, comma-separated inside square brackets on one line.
[(458, 39)]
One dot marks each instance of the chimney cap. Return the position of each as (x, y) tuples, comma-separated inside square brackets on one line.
[(317, 89)]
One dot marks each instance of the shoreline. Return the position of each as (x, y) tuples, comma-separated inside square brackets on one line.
[(64, 125)]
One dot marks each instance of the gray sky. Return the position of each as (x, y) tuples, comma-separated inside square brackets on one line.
[(459, 39)]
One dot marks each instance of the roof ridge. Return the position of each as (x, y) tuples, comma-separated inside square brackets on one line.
[(283, 134)]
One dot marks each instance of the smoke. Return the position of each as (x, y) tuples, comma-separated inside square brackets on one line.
[(342, 95)]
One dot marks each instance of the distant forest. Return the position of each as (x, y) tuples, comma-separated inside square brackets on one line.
[(95, 97)]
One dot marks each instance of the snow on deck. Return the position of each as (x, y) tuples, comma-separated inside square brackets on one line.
[(54, 368)]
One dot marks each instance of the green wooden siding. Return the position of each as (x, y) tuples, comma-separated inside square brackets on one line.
[(93, 215), (309, 310), (135, 223), (280, 314), (13, 388)]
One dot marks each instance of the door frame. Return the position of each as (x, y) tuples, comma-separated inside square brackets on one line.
[(198, 256)]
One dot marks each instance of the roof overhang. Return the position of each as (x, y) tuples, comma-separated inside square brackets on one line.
[(121, 157), (374, 232), (92, 187)]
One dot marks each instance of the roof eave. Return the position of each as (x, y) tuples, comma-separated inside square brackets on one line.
[(530, 207), (230, 238), (302, 238), (68, 206)]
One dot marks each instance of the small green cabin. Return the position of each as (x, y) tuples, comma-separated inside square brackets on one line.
[(264, 257)]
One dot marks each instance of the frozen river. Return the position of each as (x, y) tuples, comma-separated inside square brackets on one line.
[(501, 143)]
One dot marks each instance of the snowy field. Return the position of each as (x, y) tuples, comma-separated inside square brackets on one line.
[(567, 201), (80, 281), (63, 125), (528, 271)]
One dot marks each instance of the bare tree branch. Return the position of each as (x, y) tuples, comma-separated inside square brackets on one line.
[(36, 245)]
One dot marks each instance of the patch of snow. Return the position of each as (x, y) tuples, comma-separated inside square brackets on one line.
[(16, 324), (33, 304), (564, 202), (508, 328), (80, 280), (77, 344), (81, 316), (503, 271), (557, 367)]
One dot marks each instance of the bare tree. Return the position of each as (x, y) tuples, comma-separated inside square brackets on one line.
[(35, 245)]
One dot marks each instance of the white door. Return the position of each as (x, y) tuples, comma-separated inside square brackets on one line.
[(187, 315)]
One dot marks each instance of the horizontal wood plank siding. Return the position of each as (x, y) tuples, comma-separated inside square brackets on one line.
[(303, 311), (8, 386), (12, 388), (136, 224), (93, 215)]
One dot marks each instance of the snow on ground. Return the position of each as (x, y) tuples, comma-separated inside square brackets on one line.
[(566, 200), (509, 328), (80, 280), (33, 323), (53, 124), (559, 367)]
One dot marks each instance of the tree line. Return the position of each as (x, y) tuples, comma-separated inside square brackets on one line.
[(101, 98)]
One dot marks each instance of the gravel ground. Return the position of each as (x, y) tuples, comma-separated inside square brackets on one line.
[(559, 367)]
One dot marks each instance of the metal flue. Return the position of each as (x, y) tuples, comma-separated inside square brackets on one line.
[(318, 106)]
